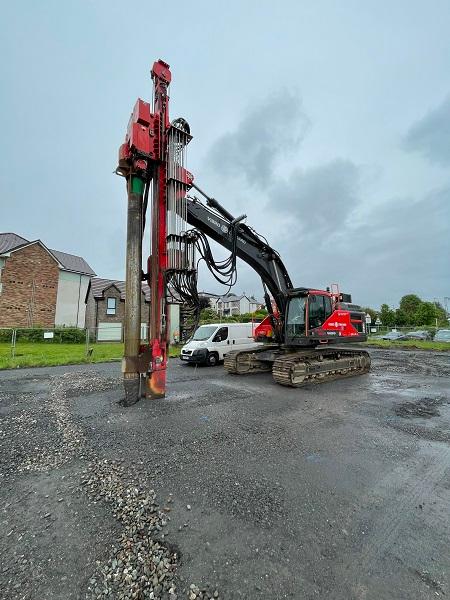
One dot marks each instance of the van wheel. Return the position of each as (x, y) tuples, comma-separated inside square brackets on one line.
[(212, 359)]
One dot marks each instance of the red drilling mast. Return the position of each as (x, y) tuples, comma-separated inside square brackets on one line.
[(152, 161)]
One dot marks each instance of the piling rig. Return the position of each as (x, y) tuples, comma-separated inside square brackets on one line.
[(303, 324)]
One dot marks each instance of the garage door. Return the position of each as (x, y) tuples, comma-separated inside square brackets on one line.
[(109, 332)]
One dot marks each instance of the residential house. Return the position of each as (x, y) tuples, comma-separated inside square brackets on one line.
[(212, 298), (231, 304), (105, 311), (40, 287)]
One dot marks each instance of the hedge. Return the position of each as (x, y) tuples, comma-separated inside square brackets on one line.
[(63, 335)]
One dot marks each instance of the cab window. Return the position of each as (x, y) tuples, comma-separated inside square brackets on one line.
[(221, 335), (295, 324), (316, 311)]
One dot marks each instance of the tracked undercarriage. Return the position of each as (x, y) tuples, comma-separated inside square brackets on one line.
[(295, 368)]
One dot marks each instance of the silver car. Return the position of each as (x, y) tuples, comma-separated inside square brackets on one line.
[(419, 335), (394, 335), (443, 335)]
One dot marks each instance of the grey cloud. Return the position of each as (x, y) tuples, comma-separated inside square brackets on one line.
[(264, 135), (430, 136), (403, 246), (313, 216), (320, 198)]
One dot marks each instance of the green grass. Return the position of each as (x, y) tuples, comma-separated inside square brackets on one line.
[(409, 344), (48, 354)]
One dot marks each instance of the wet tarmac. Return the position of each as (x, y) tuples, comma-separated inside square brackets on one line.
[(336, 491)]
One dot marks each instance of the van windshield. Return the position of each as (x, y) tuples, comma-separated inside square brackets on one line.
[(204, 332)]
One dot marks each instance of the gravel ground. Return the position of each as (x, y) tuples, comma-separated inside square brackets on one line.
[(230, 487)]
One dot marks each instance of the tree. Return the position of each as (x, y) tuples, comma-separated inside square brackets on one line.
[(387, 316), (208, 314), (258, 315), (409, 305), (425, 314), (401, 318), (441, 315), (203, 302), (372, 312)]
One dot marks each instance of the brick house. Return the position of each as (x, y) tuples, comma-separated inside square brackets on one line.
[(105, 310), (40, 287)]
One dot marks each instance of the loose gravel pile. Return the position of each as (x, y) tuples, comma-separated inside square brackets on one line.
[(40, 435), (423, 407), (142, 565), (65, 441)]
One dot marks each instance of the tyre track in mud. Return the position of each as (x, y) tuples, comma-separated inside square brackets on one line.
[(400, 494)]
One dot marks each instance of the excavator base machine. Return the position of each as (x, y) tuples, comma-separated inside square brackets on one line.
[(306, 330)]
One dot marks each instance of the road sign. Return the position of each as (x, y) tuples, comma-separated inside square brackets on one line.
[(368, 319), (378, 321)]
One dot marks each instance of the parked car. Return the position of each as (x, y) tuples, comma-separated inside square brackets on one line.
[(442, 335), (419, 335), (393, 336)]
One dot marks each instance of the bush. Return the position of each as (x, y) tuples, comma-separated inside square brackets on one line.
[(63, 335), (5, 335)]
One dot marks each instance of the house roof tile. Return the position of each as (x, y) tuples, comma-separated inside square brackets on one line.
[(9, 241), (100, 285), (69, 262)]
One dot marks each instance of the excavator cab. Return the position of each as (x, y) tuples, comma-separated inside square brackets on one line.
[(314, 317), (307, 311)]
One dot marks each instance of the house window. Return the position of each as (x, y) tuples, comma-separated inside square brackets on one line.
[(111, 306)]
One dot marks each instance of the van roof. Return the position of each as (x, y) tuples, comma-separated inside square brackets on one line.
[(226, 324)]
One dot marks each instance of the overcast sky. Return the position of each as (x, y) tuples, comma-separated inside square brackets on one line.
[(327, 123)]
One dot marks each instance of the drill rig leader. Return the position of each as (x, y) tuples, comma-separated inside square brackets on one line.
[(303, 324)]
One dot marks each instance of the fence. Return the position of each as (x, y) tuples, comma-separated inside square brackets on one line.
[(46, 347), (23, 343), (61, 345), (375, 330), (19, 342)]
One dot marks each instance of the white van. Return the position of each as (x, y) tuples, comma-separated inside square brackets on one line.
[(210, 343)]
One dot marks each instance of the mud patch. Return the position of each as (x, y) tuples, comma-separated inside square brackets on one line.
[(424, 408)]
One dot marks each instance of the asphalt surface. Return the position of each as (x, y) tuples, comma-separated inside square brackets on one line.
[(337, 491)]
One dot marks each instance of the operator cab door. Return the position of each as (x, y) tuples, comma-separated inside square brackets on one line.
[(295, 325), (304, 315), (319, 309)]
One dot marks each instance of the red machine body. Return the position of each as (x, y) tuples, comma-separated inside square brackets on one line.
[(343, 322)]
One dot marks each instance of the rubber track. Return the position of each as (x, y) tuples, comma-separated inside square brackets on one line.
[(239, 362), (319, 366)]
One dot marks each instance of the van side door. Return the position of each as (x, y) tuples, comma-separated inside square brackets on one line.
[(221, 341)]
